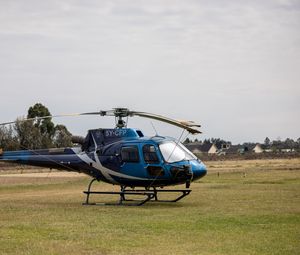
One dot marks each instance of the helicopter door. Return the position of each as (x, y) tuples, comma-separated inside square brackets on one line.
[(130, 161), (151, 158)]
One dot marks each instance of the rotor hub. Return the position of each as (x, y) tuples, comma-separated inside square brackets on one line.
[(119, 114)]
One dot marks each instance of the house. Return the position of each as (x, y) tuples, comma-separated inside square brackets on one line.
[(258, 148), (282, 147), (251, 147), (287, 150), (241, 149), (235, 149), (197, 147), (224, 149)]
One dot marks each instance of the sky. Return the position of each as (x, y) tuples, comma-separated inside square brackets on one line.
[(233, 66)]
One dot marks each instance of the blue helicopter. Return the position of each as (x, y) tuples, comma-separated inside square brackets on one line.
[(123, 156)]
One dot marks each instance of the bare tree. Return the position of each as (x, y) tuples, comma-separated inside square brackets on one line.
[(7, 139)]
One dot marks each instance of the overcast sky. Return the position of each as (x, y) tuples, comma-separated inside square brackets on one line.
[(233, 66)]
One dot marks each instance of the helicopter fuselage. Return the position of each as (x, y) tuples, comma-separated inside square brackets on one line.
[(120, 156)]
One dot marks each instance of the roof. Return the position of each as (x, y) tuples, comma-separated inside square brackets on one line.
[(198, 146)]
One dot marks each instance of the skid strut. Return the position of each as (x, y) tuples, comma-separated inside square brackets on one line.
[(149, 195)]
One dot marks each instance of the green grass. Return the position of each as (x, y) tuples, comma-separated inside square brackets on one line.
[(238, 212)]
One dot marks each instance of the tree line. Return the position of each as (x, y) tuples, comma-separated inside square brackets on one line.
[(217, 141), (34, 134), (43, 133), (274, 145)]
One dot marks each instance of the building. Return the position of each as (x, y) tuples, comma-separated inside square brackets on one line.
[(258, 148), (235, 149), (211, 148), (208, 148), (251, 147)]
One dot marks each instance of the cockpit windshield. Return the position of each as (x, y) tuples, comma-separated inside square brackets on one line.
[(174, 152)]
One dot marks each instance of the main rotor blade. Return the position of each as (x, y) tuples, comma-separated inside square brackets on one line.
[(100, 113), (188, 125), (124, 112), (44, 117)]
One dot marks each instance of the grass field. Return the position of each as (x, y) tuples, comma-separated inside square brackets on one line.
[(240, 207)]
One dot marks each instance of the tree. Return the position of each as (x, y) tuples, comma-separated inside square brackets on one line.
[(206, 141), (45, 126), (267, 141), (290, 143), (187, 140), (298, 144), (220, 143), (28, 135), (35, 134), (62, 137), (276, 145), (7, 139)]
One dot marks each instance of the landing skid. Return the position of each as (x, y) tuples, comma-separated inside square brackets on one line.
[(150, 195)]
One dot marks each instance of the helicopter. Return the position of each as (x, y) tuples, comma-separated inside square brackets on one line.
[(142, 166)]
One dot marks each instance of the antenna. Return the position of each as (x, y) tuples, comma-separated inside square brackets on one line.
[(156, 133)]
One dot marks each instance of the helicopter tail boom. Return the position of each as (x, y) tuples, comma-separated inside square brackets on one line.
[(50, 158)]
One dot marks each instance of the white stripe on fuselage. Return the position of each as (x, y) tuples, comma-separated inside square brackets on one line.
[(107, 173), (84, 157)]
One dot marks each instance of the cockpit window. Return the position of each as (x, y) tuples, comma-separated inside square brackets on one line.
[(150, 155), (174, 152), (189, 154)]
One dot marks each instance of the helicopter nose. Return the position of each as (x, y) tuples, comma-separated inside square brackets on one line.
[(199, 170)]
